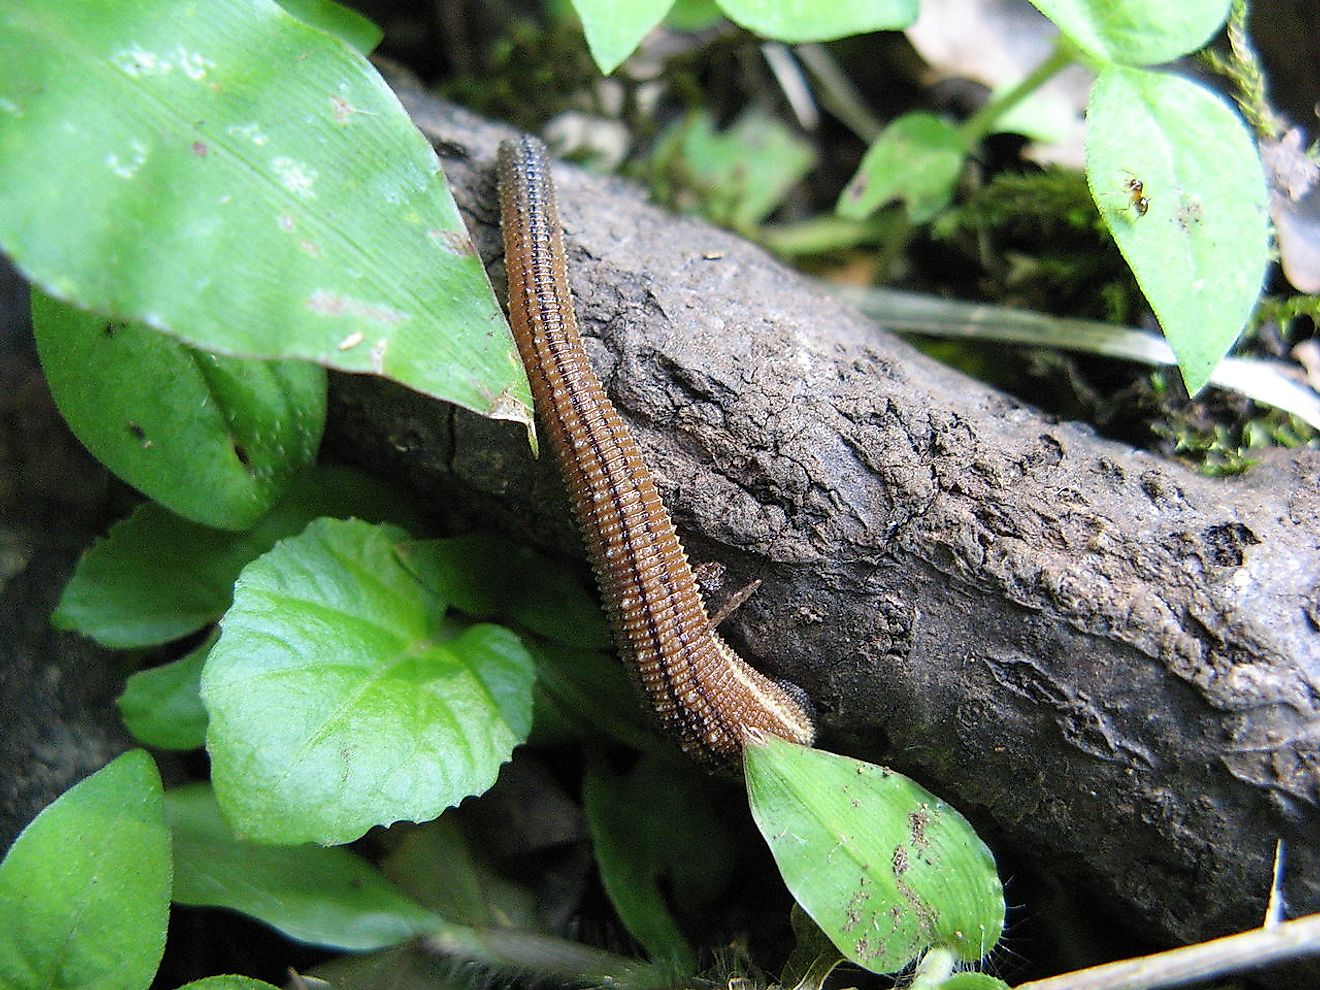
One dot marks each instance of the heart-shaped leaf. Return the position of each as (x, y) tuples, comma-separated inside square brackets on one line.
[(339, 699)]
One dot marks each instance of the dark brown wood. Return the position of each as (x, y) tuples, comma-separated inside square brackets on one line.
[(705, 695), (1109, 663)]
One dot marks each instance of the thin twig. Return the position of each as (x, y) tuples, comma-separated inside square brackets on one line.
[(1231, 954), (1261, 381)]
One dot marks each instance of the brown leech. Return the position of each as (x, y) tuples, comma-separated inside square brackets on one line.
[(705, 695)]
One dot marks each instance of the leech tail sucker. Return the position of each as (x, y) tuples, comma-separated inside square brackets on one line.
[(705, 695)]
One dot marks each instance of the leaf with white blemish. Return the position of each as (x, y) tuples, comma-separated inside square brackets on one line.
[(244, 182)]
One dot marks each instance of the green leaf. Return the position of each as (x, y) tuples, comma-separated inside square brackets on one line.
[(246, 183), (1199, 243), (615, 28), (973, 981), (333, 18), (326, 897), (814, 956), (658, 824), (214, 439), (489, 577), (436, 865), (797, 22), (694, 15), (85, 889), (735, 177), (228, 983), (1136, 32), (585, 694), (885, 868), (916, 159), (157, 577), (339, 701), (162, 706)]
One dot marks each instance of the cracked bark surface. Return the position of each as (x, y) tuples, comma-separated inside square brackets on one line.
[(1110, 664)]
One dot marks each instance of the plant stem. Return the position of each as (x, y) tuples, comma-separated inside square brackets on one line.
[(508, 952), (935, 967), (978, 125)]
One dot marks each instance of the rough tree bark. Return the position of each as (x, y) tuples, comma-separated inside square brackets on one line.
[(1111, 664)]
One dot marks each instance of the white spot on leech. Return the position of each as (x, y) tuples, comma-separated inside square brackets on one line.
[(294, 176), (248, 132)]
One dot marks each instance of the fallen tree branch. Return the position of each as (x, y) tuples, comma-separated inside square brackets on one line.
[(1112, 665)]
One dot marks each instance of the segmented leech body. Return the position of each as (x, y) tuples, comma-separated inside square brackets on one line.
[(705, 695)]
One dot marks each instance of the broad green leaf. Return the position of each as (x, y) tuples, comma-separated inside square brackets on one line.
[(214, 439), (162, 706), (1177, 180), (489, 577), (916, 159), (655, 832), (323, 896), (157, 577), (615, 28), (345, 24), (883, 866), (246, 183), (735, 177), (437, 866), (339, 700), (802, 20), (228, 983), (1136, 32), (85, 889)]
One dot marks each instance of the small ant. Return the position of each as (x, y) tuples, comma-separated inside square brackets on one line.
[(1136, 190)]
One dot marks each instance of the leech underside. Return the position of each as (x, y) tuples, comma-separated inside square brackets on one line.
[(704, 694)]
